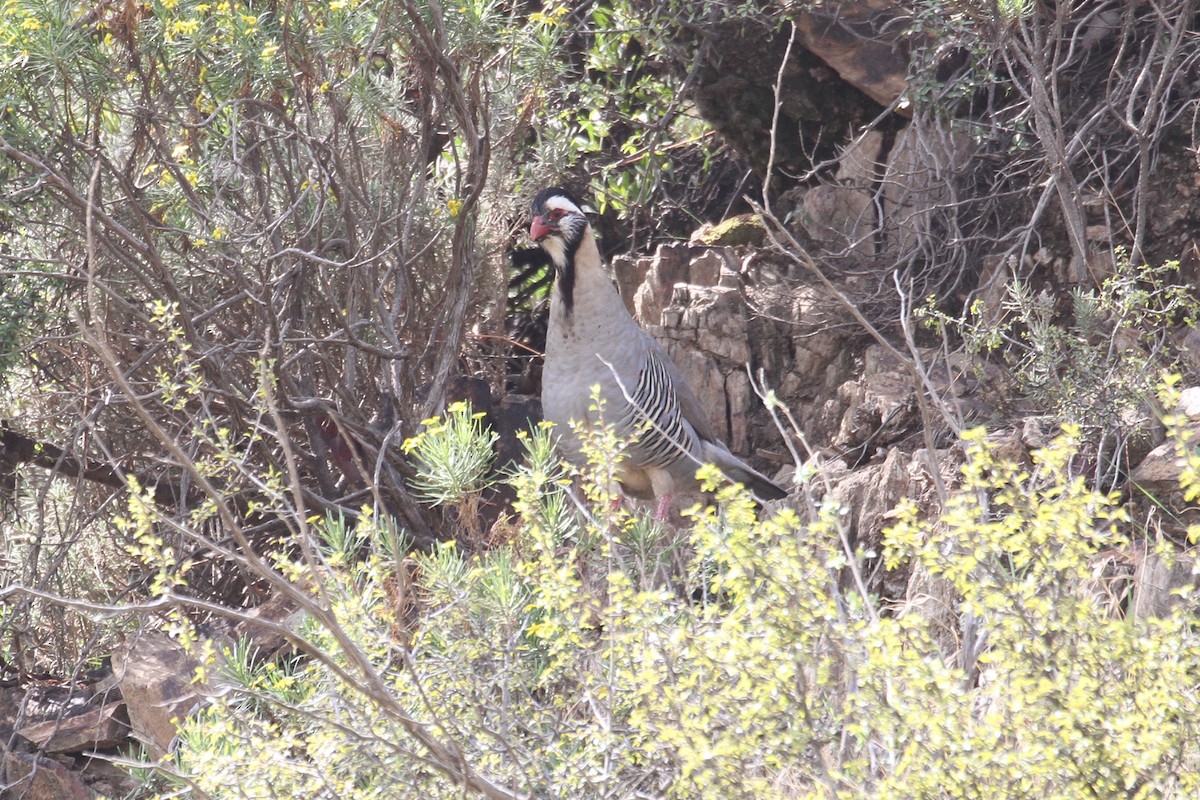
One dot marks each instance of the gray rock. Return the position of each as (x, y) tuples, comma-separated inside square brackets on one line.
[(1158, 582), (156, 677), (93, 728), (30, 776)]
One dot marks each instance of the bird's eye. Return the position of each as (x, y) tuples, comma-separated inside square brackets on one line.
[(557, 213)]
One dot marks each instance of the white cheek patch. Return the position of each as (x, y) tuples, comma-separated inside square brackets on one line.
[(555, 247)]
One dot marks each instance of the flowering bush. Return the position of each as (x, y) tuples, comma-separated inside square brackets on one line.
[(557, 665)]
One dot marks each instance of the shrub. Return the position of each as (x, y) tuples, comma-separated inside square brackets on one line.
[(557, 666), (1095, 364)]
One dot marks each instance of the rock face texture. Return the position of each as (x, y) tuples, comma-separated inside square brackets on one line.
[(157, 680), (861, 42), (889, 192), (94, 727), (818, 95), (57, 737), (52, 732), (733, 317), (34, 777), (725, 315)]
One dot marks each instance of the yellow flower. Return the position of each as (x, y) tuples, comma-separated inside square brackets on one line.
[(183, 27), (455, 206)]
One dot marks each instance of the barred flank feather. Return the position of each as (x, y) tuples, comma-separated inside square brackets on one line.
[(653, 416)]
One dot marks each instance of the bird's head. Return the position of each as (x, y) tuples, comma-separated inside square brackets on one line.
[(558, 224)]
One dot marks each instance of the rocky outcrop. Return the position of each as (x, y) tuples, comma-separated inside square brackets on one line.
[(864, 42), (1159, 471), (730, 314), (52, 733), (730, 317), (831, 80), (33, 777), (90, 727), (158, 681), (59, 738), (889, 191)]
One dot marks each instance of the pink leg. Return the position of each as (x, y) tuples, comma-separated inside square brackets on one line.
[(663, 509)]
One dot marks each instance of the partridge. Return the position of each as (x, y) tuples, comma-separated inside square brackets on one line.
[(593, 341)]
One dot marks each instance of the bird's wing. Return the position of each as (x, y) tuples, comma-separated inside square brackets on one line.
[(649, 384), (689, 405), (711, 448)]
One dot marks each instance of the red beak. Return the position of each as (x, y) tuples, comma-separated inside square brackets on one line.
[(539, 230)]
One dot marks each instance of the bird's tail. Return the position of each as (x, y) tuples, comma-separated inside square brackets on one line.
[(762, 487)]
